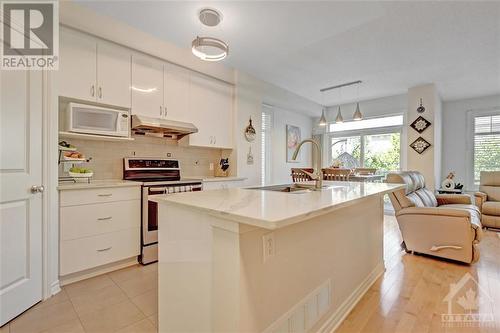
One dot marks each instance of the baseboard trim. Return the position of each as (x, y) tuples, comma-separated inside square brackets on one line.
[(333, 322), (78, 276), (55, 287)]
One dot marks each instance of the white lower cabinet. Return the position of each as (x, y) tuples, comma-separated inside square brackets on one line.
[(98, 227)]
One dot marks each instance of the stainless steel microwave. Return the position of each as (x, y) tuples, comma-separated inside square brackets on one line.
[(90, 119)]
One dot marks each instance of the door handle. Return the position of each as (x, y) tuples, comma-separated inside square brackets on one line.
[(100, 92), (104, 218), (37, 189), (105, 249), (105, 195), (92, 90)]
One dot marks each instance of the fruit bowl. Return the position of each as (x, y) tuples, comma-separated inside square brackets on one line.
[(81, 175)]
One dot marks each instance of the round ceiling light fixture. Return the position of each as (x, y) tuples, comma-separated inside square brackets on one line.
[(210, 17), (209, 48)]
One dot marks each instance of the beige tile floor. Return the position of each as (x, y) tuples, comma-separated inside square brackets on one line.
[(122, 301)]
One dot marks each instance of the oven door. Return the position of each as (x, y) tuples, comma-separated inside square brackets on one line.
[(150, 215)]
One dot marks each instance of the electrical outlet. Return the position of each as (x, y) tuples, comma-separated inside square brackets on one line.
[(268, 245), (211, 166)]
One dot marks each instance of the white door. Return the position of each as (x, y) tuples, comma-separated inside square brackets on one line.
[(20, 209), (77, 65), (176, 93), (113, 74), (147, 86)]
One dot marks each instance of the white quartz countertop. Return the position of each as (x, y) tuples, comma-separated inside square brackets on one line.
[(216, 179), (271, 209), (96, 184)]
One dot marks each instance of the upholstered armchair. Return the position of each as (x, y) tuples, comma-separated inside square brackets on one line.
[(488, 199), (446, 226)]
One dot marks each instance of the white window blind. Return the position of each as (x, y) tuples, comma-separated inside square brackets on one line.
[(266, 133), (486, 144)]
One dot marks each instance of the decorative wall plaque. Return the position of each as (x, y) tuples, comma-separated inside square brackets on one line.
[(420, 124), (250, 131), (421, 108), (420, 145)]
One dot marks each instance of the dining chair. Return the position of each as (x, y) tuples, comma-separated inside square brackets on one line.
[(365, 171), (298, 175), (336, 174)]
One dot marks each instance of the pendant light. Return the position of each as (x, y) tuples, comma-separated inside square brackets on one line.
[(339, 119), (322, 120), (357, 114)]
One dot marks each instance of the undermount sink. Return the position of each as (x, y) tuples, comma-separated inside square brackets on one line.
[(291, 188)]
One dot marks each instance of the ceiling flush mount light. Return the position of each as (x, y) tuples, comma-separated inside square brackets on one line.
[(210, 17), (209, 49)]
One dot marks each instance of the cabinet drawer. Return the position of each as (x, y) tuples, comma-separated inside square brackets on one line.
[(89, 220), (84, 253), (98, 195)]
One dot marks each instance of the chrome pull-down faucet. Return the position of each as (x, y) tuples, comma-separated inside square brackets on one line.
[(317, 175)]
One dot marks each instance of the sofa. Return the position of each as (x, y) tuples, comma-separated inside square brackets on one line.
[(488, 199), (446, 225)]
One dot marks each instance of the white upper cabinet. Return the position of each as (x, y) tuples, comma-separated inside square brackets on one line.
[(176, 93), (78, 65), (113, 74), (93, 70), (147, 86), (211, 110)]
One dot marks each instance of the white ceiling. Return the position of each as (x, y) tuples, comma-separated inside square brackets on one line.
[(303, 46)]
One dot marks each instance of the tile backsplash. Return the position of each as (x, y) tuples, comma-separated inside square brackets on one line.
[(107, 157)]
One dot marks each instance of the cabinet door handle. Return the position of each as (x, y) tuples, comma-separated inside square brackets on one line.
[(100, 92), (105, 249), (161, 111), (165, 111), (92, 90), (104, 218), (215, 139), (105, 195)]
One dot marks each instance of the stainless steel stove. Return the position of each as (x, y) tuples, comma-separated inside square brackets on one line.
[(159, 176)]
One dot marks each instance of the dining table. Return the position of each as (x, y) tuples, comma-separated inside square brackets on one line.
[(365, 178)]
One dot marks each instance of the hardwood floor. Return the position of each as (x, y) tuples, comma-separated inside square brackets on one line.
[(409, 297)]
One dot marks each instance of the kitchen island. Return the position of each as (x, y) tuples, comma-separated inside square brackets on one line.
[(265, 260)]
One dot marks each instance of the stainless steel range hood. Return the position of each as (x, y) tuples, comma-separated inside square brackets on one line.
[(161, 127)]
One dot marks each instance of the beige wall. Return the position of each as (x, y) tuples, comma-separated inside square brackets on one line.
[(429, 162), (107, 157)]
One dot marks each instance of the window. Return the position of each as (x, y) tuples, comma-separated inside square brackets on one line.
[(266, 133), (368, 123), (486, 144), (371, 143)]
